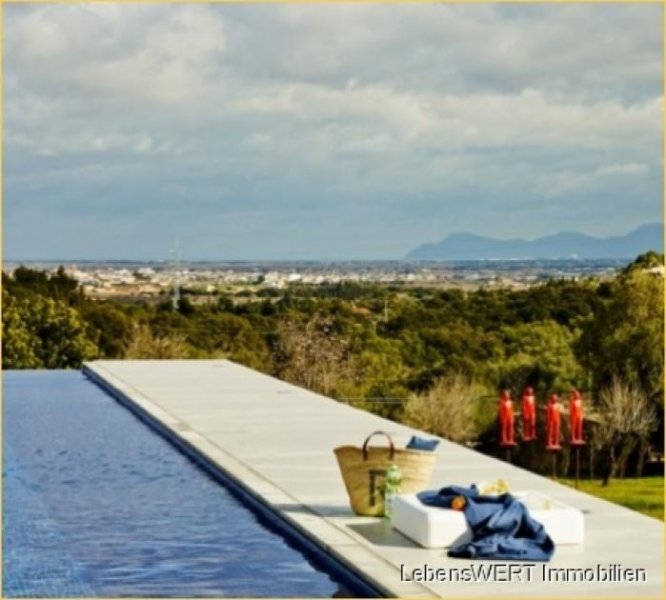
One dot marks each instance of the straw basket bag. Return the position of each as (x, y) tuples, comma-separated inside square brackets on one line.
[(363, 471)]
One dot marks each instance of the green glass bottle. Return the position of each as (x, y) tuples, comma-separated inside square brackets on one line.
[(392, 483)]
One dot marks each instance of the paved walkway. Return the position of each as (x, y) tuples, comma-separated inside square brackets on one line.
[(277, 439)]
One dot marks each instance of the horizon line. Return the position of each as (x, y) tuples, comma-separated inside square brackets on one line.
[(310, 260)]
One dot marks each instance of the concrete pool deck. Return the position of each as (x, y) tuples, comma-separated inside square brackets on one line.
[(277, 440)]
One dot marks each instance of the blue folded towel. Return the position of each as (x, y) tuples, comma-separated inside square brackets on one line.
[(502, 527), (419, 443)]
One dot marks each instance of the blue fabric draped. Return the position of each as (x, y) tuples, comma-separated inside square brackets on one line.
[(502, 527)]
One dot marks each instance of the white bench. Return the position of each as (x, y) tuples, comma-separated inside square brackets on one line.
[(434, 527)]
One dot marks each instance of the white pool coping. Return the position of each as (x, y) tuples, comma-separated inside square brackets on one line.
[(277, 441)]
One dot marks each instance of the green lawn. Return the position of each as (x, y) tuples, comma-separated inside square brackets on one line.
[(643, 494)]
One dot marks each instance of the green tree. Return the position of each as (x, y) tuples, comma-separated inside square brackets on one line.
[(376, 377), (648, 260), (537, 354), (111, 328), (185, 306), (50, 334), (229, 336), (64, 287), (625, 338), (58, 285), (31, 279), (20, 346)]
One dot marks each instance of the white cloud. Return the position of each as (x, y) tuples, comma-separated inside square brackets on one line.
[(258, 140), (622, 169), (410, 109)]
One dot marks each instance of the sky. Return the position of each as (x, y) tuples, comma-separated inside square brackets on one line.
[(327, 132)]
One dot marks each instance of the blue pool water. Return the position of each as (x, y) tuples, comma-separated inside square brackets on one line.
[(97, 504)]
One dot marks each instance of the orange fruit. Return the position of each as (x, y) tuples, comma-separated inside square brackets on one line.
[(458, 503)]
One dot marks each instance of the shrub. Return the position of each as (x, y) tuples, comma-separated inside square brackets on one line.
[(447, 409), (145, 344)]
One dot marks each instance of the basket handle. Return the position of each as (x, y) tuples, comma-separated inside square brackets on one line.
[(388, 437)]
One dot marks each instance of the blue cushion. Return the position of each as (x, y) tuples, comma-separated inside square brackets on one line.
[(419, 443)]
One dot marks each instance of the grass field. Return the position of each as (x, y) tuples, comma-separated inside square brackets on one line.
[(643, 494)]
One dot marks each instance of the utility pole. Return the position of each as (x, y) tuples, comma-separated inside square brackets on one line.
[(385, 310), (175, 297)]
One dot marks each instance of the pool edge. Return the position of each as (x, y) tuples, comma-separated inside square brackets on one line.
[(208, 456)]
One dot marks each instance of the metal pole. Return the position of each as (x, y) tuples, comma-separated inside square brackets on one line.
[(508, 454), (175, 298), (554, 464), (577, 465)]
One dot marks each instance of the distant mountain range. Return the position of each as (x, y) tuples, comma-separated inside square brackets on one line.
[(467, 246)]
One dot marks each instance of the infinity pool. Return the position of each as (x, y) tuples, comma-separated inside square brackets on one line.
[(97, 504)]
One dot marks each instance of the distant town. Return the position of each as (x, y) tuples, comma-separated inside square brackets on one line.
[(150, 279)]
